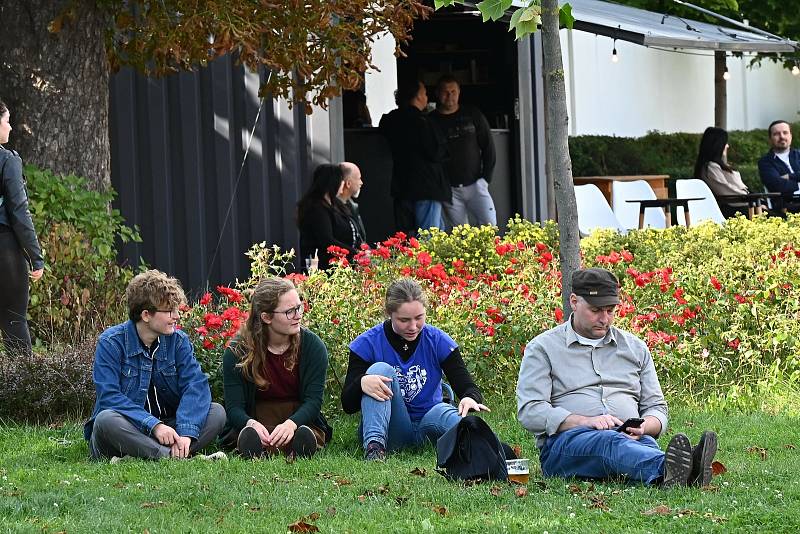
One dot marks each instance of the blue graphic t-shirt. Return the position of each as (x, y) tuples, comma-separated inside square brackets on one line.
[(420, 376)]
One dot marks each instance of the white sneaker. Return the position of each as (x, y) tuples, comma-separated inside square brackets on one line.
[(219, 455)]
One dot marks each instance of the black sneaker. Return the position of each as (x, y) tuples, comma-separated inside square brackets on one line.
[(702, 456), (375, 452), (677, 461), (304, 443), (249, 444)]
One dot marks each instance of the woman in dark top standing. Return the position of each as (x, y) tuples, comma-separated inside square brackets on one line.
[(274, 378), (323, 219), (20, 253), (395, 377)]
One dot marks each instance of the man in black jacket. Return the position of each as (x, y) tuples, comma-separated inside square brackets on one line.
[(419, 185), (471, 157)]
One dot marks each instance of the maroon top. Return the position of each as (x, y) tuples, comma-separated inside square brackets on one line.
[(283, 385)]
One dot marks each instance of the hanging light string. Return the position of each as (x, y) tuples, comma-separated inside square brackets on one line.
[(614, 56)]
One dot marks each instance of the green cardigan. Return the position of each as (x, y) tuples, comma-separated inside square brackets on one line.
[(240, 394)]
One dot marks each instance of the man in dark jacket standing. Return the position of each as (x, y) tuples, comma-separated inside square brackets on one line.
[(419, 185), (471, 157), (780, 167)]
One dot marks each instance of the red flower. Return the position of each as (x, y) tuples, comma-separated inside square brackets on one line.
[(413, 242), (202, 330), (627, 256), (208, 344), (230, 293), (212, 321), (734, 344), (296, 278), (231, 313), (335, 320), (383, 252), (509, 270), (424, 258), (715, 283), (205, 299), (678, 294), (740, 299), (559, 315)]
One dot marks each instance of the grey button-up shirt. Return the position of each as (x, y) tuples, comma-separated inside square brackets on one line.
[(559, 376)]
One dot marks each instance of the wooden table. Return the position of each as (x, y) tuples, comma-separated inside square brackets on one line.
[(665, 204), (753, 201), (657, 181)]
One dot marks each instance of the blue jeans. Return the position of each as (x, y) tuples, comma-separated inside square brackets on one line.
[(583, 452), (428, 213), (388, 423)]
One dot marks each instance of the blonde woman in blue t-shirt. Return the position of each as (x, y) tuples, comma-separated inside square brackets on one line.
[(395, 377)]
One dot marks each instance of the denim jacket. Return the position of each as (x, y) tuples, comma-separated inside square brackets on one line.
[(122, 370)]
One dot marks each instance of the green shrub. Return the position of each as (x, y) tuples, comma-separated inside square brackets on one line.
[(80, 292), (51, 386), (717, 305)]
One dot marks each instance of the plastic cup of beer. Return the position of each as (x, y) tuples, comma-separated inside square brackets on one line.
[(518, 470)]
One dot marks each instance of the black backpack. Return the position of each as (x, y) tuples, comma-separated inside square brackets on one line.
[(471, 451)]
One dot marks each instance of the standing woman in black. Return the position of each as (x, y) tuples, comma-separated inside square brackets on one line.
[(20, 253), (323, 219)]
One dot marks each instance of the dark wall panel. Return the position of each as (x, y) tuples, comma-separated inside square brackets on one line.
[(177, 148)]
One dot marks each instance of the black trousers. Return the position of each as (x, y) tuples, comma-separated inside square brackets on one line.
[(14, 287)]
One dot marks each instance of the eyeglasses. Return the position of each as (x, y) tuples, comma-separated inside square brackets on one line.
[(292, 313), (173, 314)]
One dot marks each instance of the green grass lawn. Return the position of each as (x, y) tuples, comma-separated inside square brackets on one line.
[(48, 485)]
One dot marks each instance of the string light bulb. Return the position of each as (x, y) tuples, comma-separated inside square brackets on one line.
[(726, 75), (614, 56), (795, 71)]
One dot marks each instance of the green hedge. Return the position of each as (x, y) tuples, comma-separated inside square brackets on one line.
[(661, 153)]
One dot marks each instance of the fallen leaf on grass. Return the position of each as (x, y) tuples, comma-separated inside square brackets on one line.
[(690, 424), (341, 482), (495, 490), (517, 451), (400, 500), (441, 510), (598, 502), (718, 468), (710, 488), (789, 446), (761, 451), (152, 504), (383, 490), (521, 491), (255, 508), (302, 526), (331, 511), (661, 509), (362, 498), (575, 489), (419, 471)]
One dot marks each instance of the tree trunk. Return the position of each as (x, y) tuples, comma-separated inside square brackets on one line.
[(56, 87), (559, 165), (720, 91)]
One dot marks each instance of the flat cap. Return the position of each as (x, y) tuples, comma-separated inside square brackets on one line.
[(598, 287)]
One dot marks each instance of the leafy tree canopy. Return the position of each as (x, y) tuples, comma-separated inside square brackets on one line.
[(312, 48), (524, 20)]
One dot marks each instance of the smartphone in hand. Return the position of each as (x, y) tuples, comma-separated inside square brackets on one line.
[(633, 422)]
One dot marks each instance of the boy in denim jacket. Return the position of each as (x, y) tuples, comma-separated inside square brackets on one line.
[(153, 400)]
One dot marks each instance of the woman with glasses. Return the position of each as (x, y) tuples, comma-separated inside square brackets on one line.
[(274, 378), (395, 377), (20, 255)]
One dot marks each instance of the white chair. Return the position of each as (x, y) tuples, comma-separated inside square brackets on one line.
[(705, 209), (594, 211), (627, 213)]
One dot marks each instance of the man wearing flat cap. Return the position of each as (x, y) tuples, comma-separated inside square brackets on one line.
[(583, 379)]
